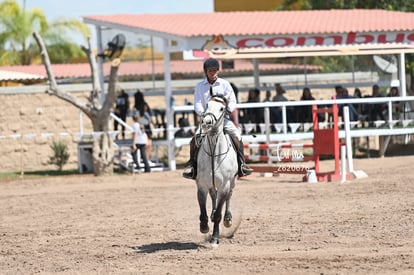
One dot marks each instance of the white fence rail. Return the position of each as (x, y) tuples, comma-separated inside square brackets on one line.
[(285, 131)]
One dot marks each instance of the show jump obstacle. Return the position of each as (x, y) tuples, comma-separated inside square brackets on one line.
[(326, 143)]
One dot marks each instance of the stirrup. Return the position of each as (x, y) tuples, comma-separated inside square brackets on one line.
[(190, 175), (245, 170)]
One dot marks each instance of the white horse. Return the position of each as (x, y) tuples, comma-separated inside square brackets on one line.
[(217, 167)]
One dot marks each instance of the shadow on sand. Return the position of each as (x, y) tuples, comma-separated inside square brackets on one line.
[(154, 247)]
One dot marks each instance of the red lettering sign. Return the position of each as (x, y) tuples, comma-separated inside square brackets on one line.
[(328, 40), (318, 40), (354, 38), (250, 43), (399, 38), (279, 42)]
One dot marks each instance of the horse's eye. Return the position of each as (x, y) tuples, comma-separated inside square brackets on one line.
[(222, 109)]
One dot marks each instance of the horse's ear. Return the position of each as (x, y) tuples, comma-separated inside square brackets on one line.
[(225, 100)]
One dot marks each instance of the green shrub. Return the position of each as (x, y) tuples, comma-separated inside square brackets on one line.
[(60, 154)]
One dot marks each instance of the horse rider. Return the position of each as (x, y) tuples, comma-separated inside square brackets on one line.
[(213, 85)]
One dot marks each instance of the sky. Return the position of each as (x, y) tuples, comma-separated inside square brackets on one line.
[(54, 9), (75, 9)]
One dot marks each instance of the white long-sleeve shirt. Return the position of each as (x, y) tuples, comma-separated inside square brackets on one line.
[(139, 136), (220, 87)]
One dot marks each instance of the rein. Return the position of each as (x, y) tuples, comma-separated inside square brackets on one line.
[(214, 133)]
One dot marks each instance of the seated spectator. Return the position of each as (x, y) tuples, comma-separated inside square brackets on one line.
[(394, 92), (304, 113), (276, 112), (184, 130), (268, 96), (253, 115), (360, 108), (376, 109), (342, 93)]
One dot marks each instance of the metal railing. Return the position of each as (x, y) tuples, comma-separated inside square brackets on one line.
[(285, 130)]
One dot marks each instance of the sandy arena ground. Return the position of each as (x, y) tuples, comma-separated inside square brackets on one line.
[(148, 224)]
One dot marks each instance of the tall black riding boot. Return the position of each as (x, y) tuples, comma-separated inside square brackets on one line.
[(244, 170), (192, 163)]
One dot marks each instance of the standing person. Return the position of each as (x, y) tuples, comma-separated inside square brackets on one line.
[(139, 141), (121, 110), (144, 110), (204, 90), (138, 100), (146, 121)]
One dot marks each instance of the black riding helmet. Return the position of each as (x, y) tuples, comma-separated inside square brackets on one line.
[(211, 63)]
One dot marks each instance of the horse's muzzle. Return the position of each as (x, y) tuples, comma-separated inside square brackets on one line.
[(207, 122)]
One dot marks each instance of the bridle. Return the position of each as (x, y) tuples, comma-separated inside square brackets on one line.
[(214, 119)]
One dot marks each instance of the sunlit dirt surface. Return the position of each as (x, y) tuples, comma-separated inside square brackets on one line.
[(148, 224)]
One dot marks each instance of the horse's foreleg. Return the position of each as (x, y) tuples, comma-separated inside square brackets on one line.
[(213, 195), (228, 218), (202, 199), (217, 220)]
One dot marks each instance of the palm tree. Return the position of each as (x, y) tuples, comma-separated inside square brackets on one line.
[(17, 45)]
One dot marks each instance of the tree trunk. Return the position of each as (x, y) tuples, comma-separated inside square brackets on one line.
[(103, 144), (103, 155)]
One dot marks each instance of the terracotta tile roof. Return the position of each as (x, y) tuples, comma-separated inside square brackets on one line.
[(265, 22), (9, 75), (65, 71)]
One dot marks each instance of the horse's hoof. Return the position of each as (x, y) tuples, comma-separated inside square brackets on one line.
[(204, 228), (214, 241), (227, 223)]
